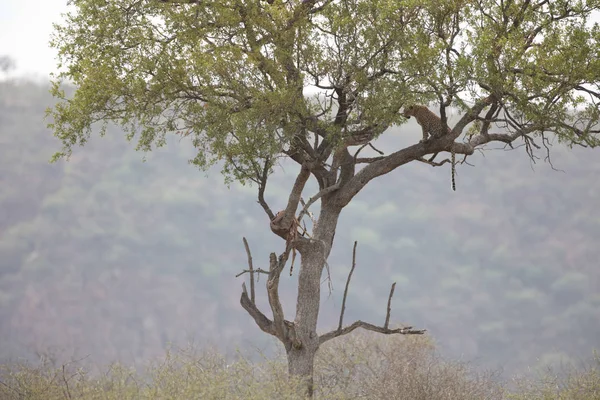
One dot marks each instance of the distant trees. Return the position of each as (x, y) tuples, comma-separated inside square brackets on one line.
[(6, 64)]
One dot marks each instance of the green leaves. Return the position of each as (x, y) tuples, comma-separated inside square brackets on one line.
[(231, 74)]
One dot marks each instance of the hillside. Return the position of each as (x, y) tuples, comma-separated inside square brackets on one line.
[(114, 257)]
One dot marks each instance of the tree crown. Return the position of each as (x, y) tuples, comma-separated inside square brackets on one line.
[(233, 75)]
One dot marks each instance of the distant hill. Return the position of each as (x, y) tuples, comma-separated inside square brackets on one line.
[(114, 257)]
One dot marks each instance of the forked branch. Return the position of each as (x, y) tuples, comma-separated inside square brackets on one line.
[(264, 323), (365, 325), (278, 327)]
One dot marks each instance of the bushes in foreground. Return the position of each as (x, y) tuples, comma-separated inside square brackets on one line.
[(360, 366)]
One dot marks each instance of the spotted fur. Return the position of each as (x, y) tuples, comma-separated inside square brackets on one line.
[(431, 125)]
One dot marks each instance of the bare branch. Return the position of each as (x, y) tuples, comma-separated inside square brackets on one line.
[(66, 390), (251, 269), (20, 394), (389, 307), (370, 327), (256, 271), (365, 325), (347, 285), (264, 323)]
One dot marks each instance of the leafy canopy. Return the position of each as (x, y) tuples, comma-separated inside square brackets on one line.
[(233, 75)]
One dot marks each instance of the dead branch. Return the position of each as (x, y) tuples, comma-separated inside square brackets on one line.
[(365, 325), (250, 269), (347, 285), (408, 330), (20, 394), (66, 390), (264, 323), (256, 271), (389, 307), (278, 327)]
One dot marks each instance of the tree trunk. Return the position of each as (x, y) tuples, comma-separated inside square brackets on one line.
[(314, 257), (301, 364)]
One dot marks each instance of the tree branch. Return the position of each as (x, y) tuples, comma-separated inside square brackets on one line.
[(408, 330), (251, 269), (264, 323), (282, 222), (316, 197), (347, 285), (414, 152), (262, 185), (365, 325), (275, 269), (368, 160), (389, 307)]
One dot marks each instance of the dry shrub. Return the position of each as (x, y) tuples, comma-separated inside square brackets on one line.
[(358, 366), (567, 384), (371, 366), (181, 375)]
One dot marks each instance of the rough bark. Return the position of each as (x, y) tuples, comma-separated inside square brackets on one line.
[(314, 256)]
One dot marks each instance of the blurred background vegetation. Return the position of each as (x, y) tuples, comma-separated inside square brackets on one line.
[(114, 258)]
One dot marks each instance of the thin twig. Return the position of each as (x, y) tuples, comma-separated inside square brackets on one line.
[(433, 163), (256, 271), (12, 388), (347, 285), (67, 391)]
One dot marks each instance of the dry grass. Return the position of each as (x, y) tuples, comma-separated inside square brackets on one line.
[(567, 384), (359, 366)]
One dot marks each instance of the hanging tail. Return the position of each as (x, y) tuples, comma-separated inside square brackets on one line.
[(453, 169)]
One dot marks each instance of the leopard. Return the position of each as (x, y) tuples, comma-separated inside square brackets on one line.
[(432, 127)]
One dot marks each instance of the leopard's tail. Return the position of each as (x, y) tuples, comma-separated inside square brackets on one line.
[(452, 152)]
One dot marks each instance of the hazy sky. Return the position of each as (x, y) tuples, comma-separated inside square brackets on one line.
[(25, 27)]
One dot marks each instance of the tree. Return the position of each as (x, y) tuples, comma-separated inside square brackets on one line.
[(234, 77), (6, 64)]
